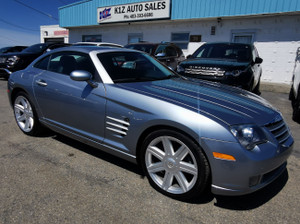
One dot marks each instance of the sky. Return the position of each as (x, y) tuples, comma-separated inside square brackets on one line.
[(20, 20)]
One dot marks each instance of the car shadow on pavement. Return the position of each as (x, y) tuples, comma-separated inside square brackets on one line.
[(256, 199), (247, 202), (99, 154)]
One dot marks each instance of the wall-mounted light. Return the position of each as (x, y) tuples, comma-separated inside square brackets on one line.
[(219, 21)]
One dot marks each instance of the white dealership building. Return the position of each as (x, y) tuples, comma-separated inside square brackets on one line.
[(273, 26)]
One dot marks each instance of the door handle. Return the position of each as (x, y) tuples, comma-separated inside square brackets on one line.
[(41, 82)]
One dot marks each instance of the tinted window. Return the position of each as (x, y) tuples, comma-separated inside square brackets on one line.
[(43, 63), (142, 47), (239, 52), (171, 51), (66, 62), (37, 48), (133, 67)]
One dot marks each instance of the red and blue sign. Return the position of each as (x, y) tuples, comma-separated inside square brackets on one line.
[(105, 14)]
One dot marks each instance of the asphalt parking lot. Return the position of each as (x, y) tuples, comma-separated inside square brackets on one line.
[(53, 179)]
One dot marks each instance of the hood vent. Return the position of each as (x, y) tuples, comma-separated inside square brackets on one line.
[(117, 126), (279, 130)]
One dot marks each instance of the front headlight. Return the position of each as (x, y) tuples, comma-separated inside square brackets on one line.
[(180, 69), (11, 61), (234, 73), (249, 135)]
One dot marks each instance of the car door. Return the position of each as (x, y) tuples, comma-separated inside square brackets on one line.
[(74, 106)]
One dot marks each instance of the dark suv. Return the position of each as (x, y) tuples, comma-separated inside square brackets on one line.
[(5, 50), (11, 62), (229, 63), (167, 53)]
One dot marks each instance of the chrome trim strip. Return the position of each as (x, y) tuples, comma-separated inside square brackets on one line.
[(118, 126), (118, 120), (117, 131)]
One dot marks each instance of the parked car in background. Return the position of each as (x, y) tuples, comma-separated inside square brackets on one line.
[(186, 135), (11, 62), (5, 50), (100, 44), (167, 53), (295, 89), (229, 63)]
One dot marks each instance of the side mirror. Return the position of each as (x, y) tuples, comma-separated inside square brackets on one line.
[(189, 56), (258, 60), (81, 75)]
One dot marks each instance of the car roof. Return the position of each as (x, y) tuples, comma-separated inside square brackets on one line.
[(229, 43), (87, 49), (97, 44), (151, 43)]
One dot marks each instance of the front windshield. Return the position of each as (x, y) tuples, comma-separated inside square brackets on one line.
[(133, 67), (4, 50), (148, 48), (37, 48), (238, 52)]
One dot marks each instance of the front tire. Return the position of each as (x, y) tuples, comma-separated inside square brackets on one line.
[(296, 108), (174, 164), (25, 115)]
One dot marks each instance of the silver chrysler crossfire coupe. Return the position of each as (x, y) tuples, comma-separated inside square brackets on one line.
[(186, 134)]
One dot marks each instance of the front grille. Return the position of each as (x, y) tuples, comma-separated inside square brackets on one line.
[(279, 130), (209, 71)]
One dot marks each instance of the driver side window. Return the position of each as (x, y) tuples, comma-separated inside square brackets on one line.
[(67, 62)]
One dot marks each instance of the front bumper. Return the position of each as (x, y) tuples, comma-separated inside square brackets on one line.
[(251, 171)]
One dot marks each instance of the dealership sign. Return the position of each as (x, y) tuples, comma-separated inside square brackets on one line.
[(150, 10)]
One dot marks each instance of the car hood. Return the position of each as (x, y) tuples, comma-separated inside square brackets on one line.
[(21, 54), (227, 104), (219, 63)]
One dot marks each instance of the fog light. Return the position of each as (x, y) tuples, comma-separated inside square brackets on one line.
[(253, 181)]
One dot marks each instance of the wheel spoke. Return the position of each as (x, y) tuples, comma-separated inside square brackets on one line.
[(155, 167), (155, 151), (182, 152), (21, 118), (188, 168), (27, 124), (19, 107), (168, 147), (167, 181), (182, 181), (24, 103)]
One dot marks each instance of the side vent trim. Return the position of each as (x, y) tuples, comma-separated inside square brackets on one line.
[(118, 126)]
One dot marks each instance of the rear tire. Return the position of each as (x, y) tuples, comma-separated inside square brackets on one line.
[(25, 115), (174, 164)]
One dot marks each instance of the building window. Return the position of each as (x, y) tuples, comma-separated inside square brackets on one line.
[(180, 39), (92, 38), (243, 36), (135, 37)]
